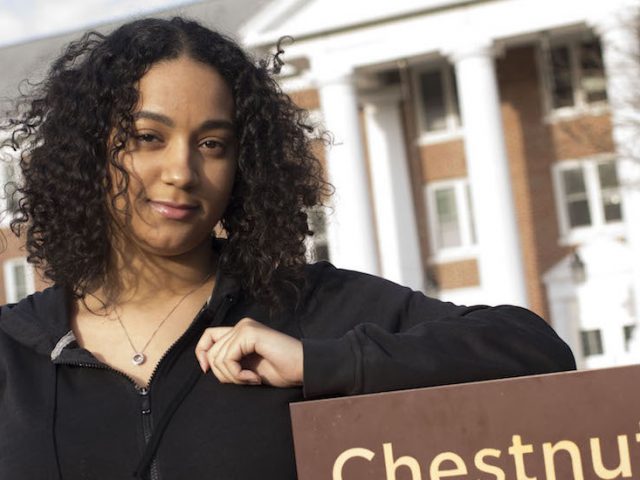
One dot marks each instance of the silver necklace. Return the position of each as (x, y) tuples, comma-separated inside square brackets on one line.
[(138, 355)]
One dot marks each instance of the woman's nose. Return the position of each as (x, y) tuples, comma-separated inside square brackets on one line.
[(179, 166)]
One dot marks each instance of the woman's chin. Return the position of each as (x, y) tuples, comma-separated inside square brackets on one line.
[(174, 247)]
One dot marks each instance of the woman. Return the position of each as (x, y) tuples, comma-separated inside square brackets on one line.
[(160, 351)]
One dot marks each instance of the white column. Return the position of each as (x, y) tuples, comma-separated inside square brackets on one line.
[(621, 55), (500, 259), (352, 242), (398, 239)]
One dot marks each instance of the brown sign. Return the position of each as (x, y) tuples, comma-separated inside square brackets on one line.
[(576, 425)]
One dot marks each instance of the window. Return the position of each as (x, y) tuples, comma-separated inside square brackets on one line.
[(450, 216), (628, 336), (591, 342), (9, 179), (18, 279), (438, 111), (317, 245), (589, 194), (575, 74)]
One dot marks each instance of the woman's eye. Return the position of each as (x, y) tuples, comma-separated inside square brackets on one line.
[(146, 138), (212, 145)]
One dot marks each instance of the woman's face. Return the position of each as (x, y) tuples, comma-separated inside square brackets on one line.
[(182, 159)]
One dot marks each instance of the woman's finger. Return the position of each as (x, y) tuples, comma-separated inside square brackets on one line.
[(214, 358), (236, 349), (219, 352), (208, 339)]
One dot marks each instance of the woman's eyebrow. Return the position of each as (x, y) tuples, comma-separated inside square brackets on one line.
[(216, 124), (158, 117), (212, 124)]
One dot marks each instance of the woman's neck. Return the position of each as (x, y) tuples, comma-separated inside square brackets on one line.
[(136, 277)]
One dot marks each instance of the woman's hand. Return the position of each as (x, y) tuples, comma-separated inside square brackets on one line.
[(251, 353)]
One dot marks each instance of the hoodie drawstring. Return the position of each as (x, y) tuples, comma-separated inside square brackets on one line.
[(54, 412)]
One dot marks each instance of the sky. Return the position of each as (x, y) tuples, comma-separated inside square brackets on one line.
[(22, 20)]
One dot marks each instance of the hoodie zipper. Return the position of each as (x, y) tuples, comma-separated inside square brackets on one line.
[(144, 392), (147, 428)]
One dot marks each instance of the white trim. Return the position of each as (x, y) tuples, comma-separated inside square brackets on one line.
[(10, 280), (433, 138), (301, 18), (463, 296), (574, 113), (298, 83), (252, 30)]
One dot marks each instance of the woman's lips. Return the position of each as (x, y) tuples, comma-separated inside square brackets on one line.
[(174, 211)]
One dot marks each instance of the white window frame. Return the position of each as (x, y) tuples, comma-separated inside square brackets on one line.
[(580, 107), (454, 128), (10, 281), (578, 235), (468, 247)]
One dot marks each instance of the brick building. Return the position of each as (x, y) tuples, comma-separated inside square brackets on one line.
[(482, 152)]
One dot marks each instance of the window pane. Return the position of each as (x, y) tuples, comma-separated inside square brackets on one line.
[(593, 80), (576, 197), (628, 335), (591, 342), (608, 175), (574, 182), (612, 206), (319, 248), (447, 212), (432, 90), (579, 213), (562, 85), (20, 281), (611, 200)]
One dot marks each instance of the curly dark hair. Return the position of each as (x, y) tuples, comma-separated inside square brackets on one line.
[(64, 129)]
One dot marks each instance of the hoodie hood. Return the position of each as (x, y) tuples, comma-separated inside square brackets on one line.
[(39, 321)]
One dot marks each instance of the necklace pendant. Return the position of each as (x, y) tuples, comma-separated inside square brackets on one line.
[(138, 359)]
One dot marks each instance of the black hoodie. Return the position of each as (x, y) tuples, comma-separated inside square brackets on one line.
[(65, 415)]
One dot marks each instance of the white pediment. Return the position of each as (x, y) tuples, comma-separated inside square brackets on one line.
[(602, 257), (312, 17)]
